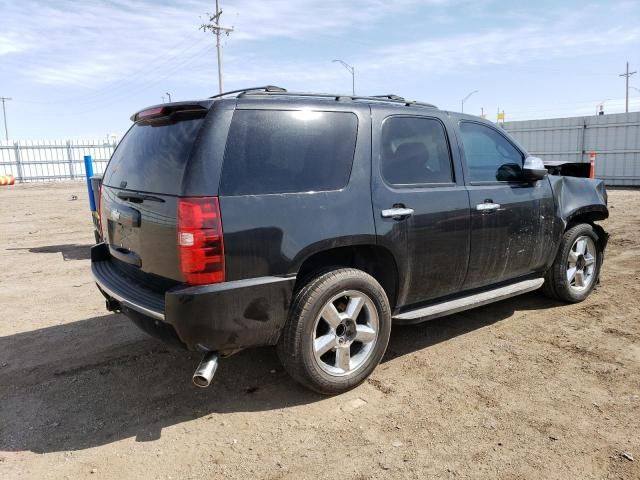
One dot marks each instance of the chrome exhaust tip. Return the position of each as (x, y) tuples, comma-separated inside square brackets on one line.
[(206, 370)]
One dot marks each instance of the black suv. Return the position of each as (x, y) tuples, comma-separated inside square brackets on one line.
[(314, 221)]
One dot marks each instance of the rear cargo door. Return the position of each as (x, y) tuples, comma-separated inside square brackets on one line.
[(140, 191)]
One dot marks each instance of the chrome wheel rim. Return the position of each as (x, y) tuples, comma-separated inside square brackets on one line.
[(581, 264), (345, 333)]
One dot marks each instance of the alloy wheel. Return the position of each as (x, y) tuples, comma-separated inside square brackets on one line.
[(581, 264), (345, 333)]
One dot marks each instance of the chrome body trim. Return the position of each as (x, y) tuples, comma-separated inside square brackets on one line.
[(128, 303), (465, 303)]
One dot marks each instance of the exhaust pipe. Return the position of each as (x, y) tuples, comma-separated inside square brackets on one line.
[(206, 370)]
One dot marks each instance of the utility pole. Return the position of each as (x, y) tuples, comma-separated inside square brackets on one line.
[(4, 114), (627, 75), (215, 27)]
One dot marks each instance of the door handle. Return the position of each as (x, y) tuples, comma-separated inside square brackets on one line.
[(487, 207), (397, 213)]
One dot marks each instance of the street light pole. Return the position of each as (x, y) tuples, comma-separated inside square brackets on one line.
[(4, 114), (352, 71), (467, 98), (168, 95)]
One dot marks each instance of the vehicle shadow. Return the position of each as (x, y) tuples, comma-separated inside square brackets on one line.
[(99, 380), (69, 251)]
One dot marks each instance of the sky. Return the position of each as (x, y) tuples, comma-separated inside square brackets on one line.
[(79, 69)]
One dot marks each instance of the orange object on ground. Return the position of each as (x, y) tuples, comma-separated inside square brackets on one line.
[(592, 164), (7, 180)]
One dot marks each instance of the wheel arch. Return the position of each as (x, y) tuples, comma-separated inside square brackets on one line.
[(590, 215), (373, 259)]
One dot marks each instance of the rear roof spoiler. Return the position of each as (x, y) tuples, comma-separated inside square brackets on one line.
[(166, 109)]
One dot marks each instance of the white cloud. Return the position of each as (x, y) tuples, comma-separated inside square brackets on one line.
[(303, 18), (98, 42), (499, 47), (11, 43), (120, 43)]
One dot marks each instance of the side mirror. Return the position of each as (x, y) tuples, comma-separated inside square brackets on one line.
[(534, 169)]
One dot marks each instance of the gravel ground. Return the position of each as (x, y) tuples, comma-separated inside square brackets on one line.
[(525, 388)]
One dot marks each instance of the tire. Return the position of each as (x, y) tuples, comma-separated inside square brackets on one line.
[(324, 345), (579, 250)]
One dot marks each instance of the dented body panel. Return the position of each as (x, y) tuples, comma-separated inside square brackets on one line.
[(577, 197)]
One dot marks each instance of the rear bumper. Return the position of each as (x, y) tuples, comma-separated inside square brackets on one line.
[(219, 317)]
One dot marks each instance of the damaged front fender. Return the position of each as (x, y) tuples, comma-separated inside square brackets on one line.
[(579, 198)]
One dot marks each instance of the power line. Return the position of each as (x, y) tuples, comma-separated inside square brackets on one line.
[(98, 104), (102, 101), (218, 30), (4, 114), (627, 75), (160, 63)]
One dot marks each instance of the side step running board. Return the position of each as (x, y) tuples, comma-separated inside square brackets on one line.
[(465, 303)]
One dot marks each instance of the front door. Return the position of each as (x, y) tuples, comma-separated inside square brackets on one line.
[(511, 219), (421, 207)]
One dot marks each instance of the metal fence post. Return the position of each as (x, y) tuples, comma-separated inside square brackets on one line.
[(583, 140), (20, 176), (70, 157)]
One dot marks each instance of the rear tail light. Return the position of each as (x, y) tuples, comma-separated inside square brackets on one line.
[(151, 113), (200, 240)]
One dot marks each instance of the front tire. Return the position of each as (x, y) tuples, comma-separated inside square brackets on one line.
[(337, 332), (576, 269)]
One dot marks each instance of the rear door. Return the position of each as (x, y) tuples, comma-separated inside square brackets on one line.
[(421, 207), (511, 218), (295, 181), (140, 188)]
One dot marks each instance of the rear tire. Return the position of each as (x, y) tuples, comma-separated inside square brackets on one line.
[(337, 332), (576, 269)]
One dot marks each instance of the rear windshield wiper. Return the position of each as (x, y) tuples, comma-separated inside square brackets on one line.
[(138, 197)]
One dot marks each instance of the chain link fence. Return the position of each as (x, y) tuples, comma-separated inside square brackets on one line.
[(42, 160)]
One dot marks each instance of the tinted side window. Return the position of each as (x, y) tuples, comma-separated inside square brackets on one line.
[(415, 151), (489, 155), (288, 151)]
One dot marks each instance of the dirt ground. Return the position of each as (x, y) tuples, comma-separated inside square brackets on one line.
[(525, 388)]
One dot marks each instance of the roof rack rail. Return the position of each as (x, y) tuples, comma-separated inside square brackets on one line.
[(390, 96), (421, 104), (337, 97), (266, 88)]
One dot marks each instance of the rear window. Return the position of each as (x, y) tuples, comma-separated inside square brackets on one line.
[(152, 157), (288, 151)]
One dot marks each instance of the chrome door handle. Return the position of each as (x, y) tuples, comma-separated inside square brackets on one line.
[(487, 207), (397, 212)]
